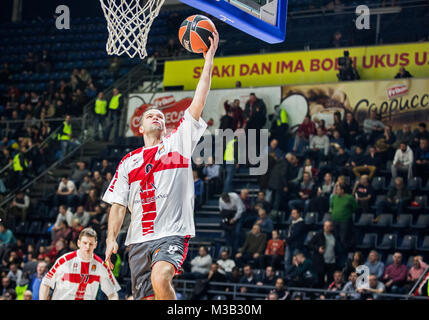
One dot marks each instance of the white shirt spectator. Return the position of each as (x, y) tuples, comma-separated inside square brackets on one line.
[(406, 158), (69, 186), (320, 142), (201, 264), (68, 217), (225, 265), (234, 204), (83, 218)]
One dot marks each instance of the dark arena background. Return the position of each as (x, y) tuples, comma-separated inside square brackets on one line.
[(344, 97)]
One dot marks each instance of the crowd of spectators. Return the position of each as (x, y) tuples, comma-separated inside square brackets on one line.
[(329, 171)]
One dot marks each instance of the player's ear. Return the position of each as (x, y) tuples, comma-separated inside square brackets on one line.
[(141, 129)]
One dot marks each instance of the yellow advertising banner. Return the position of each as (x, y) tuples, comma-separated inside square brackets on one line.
[(397, 101), (301, 67)]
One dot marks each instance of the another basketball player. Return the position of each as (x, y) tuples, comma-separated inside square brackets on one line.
[(77, 275), (155, 182)]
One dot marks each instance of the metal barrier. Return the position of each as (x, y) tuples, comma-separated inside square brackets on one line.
[(186, 288)]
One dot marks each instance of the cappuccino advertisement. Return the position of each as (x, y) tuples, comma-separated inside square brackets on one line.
[(173, 105), (398, 101)]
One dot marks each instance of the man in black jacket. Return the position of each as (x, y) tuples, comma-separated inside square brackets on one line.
[(327, 253), (295, 236), (277, 183)]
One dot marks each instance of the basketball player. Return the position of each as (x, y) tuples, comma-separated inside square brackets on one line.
[(155, 182), (78, 274)]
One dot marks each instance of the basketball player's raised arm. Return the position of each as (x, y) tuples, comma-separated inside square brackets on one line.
[(203, 87), (114, 224)]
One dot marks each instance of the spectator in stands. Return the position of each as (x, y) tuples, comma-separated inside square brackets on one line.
[(372, 128), (91, 92), (295, 236), (198, 190), (92, 202), (253, 247), (58, 250), (275, 251), (268, 278), (272, 296), (212, 175), (226, 121), (255, 112), (420, 133), (116, 104), (395, 275), (352, 264), (350, 290), (36, 279), (320, 203), (422, 159), (369, 164), (402, 73), (79, 172), (106, 167), (65, 136), (231, 210), (84, 189), (14, 274), (275, 151), (65, 215), (6, 284), (107, 180), (306, 192), (302, 138), (237, 113), (301, 273), (82, 216), (356, 160), (397, 198), (415, 271), (342, 207), (248, 278), (375, 265), (200, 265), (115, 66), (7, 238), (336, 142), (278, 183), (384, 143), (30, 63), (279, 127), (63, 231), (319, 146), (215, 276), (327, 253), (225, 263), (97, 182), (280, 290), (66, 193), (261, 202), (362, 191), (374, 290), (264, 221), (404, 134), (338, 41), (347, 70), (19, 206), (337, 284)]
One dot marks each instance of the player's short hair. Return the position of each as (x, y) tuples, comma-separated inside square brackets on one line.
[(149, 109), (88, 232)]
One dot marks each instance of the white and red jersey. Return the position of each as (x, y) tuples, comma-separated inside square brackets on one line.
[(74, 278), (157, 185)]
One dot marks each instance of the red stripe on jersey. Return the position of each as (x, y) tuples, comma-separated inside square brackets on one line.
[(149, 216), (115, 178), (151, 206), (63, 259), (185, 253)]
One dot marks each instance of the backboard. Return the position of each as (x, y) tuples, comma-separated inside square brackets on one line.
[(263, 19)]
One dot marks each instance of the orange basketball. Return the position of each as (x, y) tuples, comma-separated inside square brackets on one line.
[(194, 33)]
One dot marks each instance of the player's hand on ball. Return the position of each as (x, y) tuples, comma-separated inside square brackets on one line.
[(111, 247), (214, 41)]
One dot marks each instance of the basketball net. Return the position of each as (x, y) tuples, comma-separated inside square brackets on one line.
[(128, 23)]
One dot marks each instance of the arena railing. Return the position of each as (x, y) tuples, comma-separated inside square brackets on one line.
[(186, 287)]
